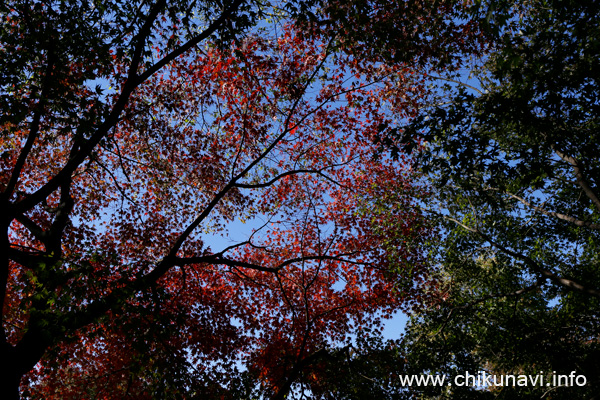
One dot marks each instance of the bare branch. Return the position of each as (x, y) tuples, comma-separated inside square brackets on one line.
[(288, 173), (218, 259), (457, 82)]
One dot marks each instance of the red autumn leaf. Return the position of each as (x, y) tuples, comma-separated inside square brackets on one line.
[(129, 145)]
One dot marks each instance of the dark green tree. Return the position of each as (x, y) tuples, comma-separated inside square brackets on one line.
[(514, 153)]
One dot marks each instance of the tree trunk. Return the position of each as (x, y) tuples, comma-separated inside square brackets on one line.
[(10, 373), (16, 361)]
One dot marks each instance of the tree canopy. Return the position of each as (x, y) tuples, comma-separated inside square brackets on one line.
[(133, 132), (513, 152)]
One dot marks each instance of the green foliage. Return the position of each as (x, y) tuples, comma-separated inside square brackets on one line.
[(513, 153), (487, 322)]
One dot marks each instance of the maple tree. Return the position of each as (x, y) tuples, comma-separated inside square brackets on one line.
[(132, 133)]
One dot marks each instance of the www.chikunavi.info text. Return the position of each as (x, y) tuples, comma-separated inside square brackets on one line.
[(485, 379)]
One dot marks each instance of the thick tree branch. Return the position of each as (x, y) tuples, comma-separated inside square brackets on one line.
[(111, 120), (564, 217), (218, 259), (579, 176), (34, 128), (26, 258), (132, 82), (568, 283), (287, 173), (216, 24), (117, 297), (61, 220), (32, 227), (37, 332)]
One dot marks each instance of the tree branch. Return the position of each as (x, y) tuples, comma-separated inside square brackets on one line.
[(457, 82), (470, 304), (564, 217), (516, 293), (233, 182), (34, 128), (579, 176), (565, 282), (132, 82), (218, 259), (288, 173), (192, 42), (32, 227), (111, 120)]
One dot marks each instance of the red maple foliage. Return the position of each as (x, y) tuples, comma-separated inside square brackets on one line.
[(111, 286)]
